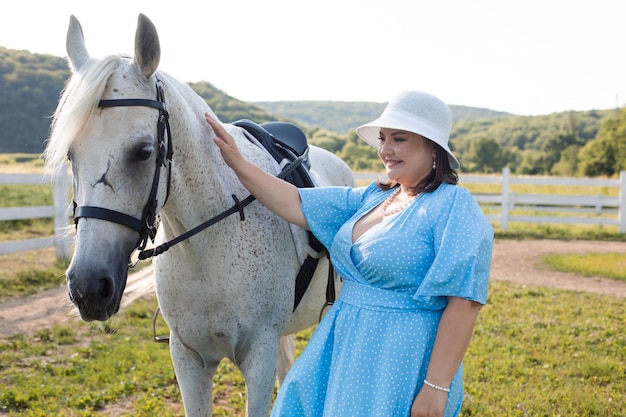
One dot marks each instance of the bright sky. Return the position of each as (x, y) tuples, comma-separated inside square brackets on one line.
[(525, 57)]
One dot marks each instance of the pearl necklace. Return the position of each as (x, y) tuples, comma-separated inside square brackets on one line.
[(398, 209)]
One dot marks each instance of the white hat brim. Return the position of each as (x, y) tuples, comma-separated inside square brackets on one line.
[(398, 119)]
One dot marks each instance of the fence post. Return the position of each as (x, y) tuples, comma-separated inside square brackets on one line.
[(504, 202), (621, 215), (62, 240)]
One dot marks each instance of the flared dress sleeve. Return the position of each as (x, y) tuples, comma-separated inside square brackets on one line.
[(326, 209), (462, 243)]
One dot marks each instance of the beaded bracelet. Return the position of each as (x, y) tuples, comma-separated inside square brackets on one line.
[(436, 386)]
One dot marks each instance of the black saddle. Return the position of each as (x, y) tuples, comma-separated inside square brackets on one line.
[(286, 141), (288, 135)]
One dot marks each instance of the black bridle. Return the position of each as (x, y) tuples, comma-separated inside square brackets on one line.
[(147, 225)]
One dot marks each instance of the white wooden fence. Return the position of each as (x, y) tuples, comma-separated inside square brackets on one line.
[(606, 210), (59, 212)]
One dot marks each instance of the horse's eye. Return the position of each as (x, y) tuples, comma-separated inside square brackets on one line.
[(143, 153)]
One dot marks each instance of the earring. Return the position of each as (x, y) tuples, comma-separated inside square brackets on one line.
[(434, 164)]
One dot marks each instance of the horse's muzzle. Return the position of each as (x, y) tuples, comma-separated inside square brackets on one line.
[(97, 296)]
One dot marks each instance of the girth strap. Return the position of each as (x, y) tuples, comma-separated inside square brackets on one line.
[(303, 279)]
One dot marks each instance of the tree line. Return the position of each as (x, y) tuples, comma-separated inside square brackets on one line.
[(574, 143), (588, 143)]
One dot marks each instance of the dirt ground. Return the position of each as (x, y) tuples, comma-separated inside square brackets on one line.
[(513, 261)]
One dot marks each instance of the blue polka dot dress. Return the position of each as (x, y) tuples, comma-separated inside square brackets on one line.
[(370, 353)]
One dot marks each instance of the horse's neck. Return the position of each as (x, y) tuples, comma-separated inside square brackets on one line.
[(202, 184), (197, 167)]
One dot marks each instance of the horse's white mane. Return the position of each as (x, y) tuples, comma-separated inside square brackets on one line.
[(78, 101)]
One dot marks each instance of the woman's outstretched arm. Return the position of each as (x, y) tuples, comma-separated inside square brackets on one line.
[(279, 196)]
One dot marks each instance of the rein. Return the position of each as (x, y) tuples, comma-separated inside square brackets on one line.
[(236, 208)]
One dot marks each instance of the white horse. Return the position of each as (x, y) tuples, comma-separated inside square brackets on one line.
[(226, 292)]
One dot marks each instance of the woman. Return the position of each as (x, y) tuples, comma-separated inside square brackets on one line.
[(414, 254)]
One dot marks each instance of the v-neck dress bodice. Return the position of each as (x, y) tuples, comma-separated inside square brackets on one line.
[(370, 353)]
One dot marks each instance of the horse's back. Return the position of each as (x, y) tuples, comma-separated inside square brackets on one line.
[(330, 169)]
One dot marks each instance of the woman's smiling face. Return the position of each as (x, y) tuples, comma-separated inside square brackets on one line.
[(408, 157)]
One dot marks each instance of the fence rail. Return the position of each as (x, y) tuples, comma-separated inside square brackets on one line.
[(606, 210), (58, 211)]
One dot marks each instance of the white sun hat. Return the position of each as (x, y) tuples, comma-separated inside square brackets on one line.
[(417, 112)]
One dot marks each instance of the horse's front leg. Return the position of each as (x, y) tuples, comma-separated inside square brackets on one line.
[(258, 366), (195, 378)]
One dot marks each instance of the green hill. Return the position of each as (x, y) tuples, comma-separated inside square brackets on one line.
[(483, 139), (30, 85), (343, 116)]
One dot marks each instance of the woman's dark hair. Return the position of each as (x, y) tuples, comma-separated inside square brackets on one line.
[(442, 173)]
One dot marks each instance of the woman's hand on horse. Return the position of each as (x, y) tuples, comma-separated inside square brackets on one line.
[(224, 141)]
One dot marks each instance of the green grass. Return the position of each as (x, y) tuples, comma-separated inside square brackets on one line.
[(539, 352), (542, 189), (25, 196), (521, 231), (79, 370), (24, 281), (609, 265), (21, 163), (15, 195), (535, 352), (25, 229)]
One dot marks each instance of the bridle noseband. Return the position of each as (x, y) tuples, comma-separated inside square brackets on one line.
[(146, 226)]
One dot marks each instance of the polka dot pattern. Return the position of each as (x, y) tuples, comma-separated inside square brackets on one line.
[(370, 353)]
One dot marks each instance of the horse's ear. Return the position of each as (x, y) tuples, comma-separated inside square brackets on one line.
[(75, 45), (147, 47)]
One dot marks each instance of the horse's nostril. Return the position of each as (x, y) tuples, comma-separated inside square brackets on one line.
[(95, 291), (106, 288)]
